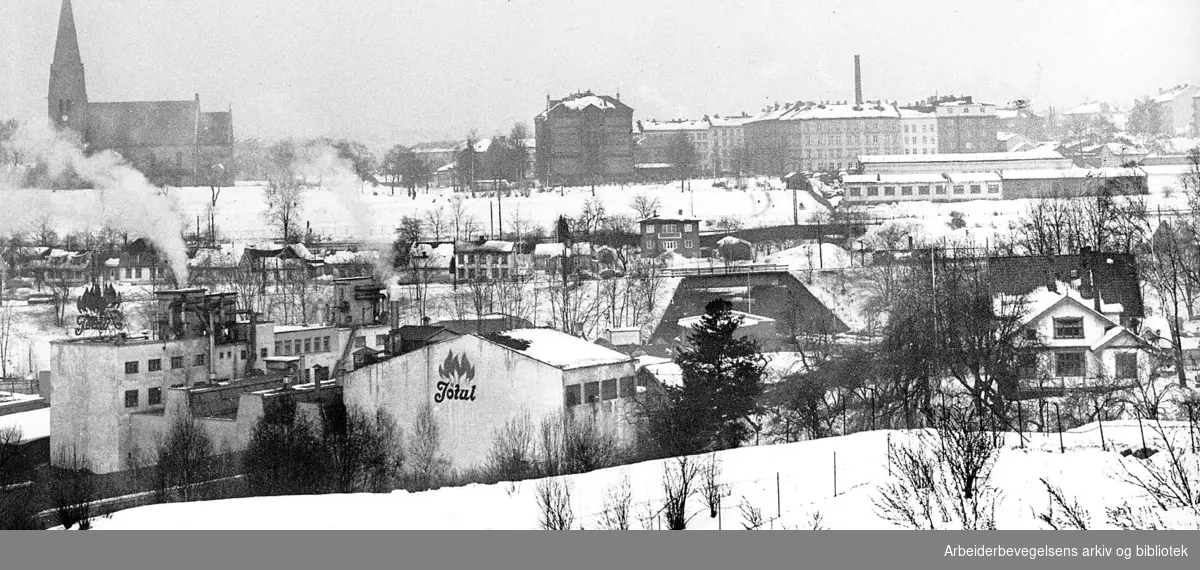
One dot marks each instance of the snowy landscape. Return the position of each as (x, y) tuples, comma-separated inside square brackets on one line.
[(473, 308)]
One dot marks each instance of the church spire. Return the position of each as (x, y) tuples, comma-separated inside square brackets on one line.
[(66, 51), (67, 97)]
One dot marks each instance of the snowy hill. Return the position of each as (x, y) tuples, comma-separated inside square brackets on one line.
[(789, 483)]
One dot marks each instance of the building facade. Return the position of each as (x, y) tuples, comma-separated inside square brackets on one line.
[(169, 141), (1176, 109), (662, 234), (584, 139), (475, 384), (657, 138), (918, 132), (486, 260), (727, 136), (966, 127)]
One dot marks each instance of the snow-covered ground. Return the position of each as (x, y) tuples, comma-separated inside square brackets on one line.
[(790, 484), (33, 424)]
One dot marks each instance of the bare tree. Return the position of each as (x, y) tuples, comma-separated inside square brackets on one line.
[(644, 205), (678, 483), (458, 214), (429, 466), (285, 201), (185, 458), (711, 489), (752, 517), (554, 503), (435, 222), (617, 501), (72, 491)]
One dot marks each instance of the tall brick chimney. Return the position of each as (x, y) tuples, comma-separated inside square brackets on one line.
[(858, 99)]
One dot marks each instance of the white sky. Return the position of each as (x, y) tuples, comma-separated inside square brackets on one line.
[(387, 72)]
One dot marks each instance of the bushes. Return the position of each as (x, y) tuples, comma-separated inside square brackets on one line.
[(429, 469), (184, 460), (512, 456), (554, 502)]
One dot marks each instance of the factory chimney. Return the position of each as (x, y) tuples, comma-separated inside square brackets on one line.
[(858, 99)]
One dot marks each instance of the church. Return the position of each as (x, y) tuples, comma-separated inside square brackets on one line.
[(171, 142)]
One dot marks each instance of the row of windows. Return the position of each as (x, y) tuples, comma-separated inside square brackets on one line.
[(924, 140), (671, 244), (483, 258), (923, 190), (850, 140), (302, 346), (669, 228), (153, 397), (839, 126), (914, 151), (597, 391), (924, 128), (1073, 364), (484, 273), (155, 364)]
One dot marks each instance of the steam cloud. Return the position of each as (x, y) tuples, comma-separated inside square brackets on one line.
[(123, 199), (338, 177)]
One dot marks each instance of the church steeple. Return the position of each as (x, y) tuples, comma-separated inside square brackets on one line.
[(67, 100)]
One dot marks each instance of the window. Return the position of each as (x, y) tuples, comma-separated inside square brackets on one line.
[(608, 389), (380, 339), (264, 353), (307, 345), (131, 398), (649, 244), (650, 228), (242, 354), (853, 191), (139, 273), (668, 229), (1068, 327), (571, 396), (129, 273), (993, 188), (628, 389), (591, 392), (278, 348), (906, 190), (687, 227), (131, 367), (1031, 334), (176, 362), (326, 344), (221, 355), (153, 396), (201, 360), (669, 244), (939, 189), (923, 190), (1126, 365), (872, 190), (889, 190), (958, 188), (1068, 364), (688, 244), (360, 341), (154, 365), (976, 189), (287, 348)]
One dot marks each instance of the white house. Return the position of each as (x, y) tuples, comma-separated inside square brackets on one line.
[(475, 384), (1079, 341)]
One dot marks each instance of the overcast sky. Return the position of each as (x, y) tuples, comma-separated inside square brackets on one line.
[(387, 72)]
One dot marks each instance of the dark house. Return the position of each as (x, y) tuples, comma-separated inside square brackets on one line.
[(1113, 276)]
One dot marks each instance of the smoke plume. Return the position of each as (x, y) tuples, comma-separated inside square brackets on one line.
[(122, 198)]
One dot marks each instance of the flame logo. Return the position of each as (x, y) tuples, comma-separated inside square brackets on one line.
[(457, 369)]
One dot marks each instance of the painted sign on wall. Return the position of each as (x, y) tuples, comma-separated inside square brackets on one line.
[(458, 379)]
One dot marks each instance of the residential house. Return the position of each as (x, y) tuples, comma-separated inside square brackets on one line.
[(485, 260), (1176, 109), (670, 234)]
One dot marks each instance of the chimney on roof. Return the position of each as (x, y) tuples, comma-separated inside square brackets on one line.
[(858, 99), (425, 321)]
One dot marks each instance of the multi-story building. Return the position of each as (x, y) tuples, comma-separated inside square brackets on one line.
[(964, 126), (485, 260), (821, 136), (918, 132), (657, 137), (1022, 122), (1176, 108), (767, 143), (584, 139), (728, 138), (679, 234)]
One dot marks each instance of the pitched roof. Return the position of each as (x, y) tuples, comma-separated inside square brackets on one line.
[(1114, 275), (142, 123), (66, 47), (1170, 94)]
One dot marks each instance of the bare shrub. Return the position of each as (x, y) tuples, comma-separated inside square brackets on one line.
[(185, 459), (752, 517), (512, 455), (587, 446), (617, 501), (1061, 513), (18, 496), (550, 461), (711, 489), (429, 468), (72, 489), (678, 484), (943, 480), (816, 521), (554, 502), (1169, 478), (1129, 517)]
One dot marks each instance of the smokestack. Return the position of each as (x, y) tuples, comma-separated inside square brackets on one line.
[(858, 99)]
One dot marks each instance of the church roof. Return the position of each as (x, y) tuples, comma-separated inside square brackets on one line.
[(142, 123)]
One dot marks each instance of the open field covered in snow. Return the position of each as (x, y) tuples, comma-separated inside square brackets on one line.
[(791, 484)]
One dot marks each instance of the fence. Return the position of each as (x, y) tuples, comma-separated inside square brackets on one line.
[(724, 270)]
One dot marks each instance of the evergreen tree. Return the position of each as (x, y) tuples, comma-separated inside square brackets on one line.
[(722, 379)]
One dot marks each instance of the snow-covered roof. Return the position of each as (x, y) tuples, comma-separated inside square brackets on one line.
[(747, 319), (580, 103), (960, 157), (347, 257), (564, 351), (729, 121), (284, 329), (1170, 94), (730, 240), (549, 249), (915, 114), (493, 246), (1040, 173), (666, 372), (678, 125), (34, 424), (1086, 109), (866, 110), (1040, 300), (922, 178), (1007, 113)]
